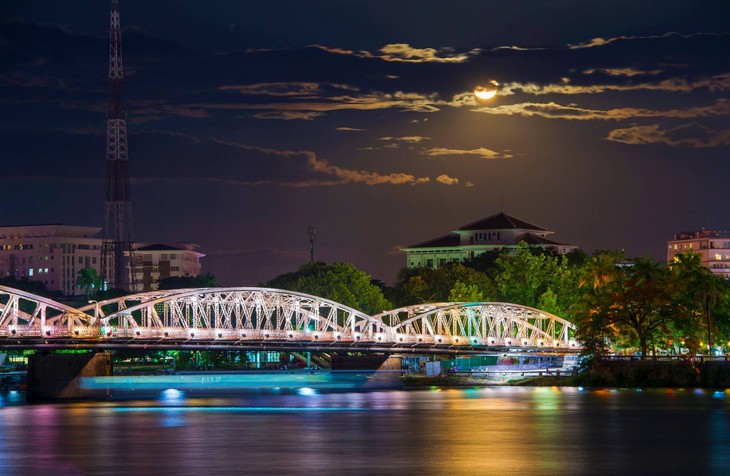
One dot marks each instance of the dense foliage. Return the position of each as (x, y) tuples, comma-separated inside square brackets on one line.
[(339, 282)]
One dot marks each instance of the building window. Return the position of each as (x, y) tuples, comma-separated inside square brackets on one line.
[(429, 263)]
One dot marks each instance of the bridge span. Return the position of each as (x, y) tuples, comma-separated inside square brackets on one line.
[(250, 318)]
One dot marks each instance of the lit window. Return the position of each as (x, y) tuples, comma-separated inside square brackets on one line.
[(30, 272)]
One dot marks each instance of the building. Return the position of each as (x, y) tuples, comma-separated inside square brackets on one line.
[(157, 261), (712, 246), (500, 231), (52, 254)]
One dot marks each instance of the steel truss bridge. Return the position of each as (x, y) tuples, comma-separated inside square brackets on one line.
[(247, 318)]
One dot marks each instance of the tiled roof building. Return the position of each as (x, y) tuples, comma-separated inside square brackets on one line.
[(496, 232)]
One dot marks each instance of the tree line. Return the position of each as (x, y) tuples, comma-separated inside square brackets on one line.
[(618, 305)]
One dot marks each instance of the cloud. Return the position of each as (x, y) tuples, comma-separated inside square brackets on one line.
[(287, 89), (363, 176), (480, 152), (409, 139), (288, 115), (598, 42), (720, 82), (552, 110), (405, 53), (688, 135), (349, 129), (446, 180), (276, 89), (413, 102), (626, 71), (322, 166)]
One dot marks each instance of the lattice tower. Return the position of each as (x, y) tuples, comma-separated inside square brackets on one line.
[(117, 247)]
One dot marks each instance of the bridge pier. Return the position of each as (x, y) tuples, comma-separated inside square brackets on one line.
[(388, 368), (53, 377)]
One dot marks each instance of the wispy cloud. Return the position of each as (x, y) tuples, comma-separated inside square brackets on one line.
[(349, 129), (598, 42), (287, 89), (409, 139), (342, 175), (719, 82), (403, 52), (688, 135), (288, 115), (481, 152), (552, 110)]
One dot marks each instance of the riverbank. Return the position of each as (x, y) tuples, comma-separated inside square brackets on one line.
[(615, 374)]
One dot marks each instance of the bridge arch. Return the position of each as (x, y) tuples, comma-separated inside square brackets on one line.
[(239, 313), (24, 313), (488, 324)]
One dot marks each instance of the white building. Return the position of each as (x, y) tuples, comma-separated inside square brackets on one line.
[(712, 246), (500, 231), (157, 261), (52, 254)]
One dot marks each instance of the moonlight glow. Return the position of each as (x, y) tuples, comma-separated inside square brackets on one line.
[(486, 92)]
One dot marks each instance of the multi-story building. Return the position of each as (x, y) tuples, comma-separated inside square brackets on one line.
[(157, 261), (52, 254), (712, 246), (500, 231)]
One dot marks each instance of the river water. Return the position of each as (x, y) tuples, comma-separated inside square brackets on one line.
[(481, 431)]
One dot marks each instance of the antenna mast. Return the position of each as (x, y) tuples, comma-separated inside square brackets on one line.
[(117, 260), (312, 232)]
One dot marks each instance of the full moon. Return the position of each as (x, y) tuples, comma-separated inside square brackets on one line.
[(486, 92)]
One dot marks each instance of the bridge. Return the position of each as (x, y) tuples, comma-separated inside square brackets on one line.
[(250, 318)]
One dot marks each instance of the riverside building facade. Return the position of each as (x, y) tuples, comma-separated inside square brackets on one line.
[(496, 232), (713, 246), (54, 254)]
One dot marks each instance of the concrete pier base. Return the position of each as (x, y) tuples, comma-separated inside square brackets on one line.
[(387, 367), (53, 377)]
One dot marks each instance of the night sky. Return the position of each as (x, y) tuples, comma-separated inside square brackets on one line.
[(250, 121)]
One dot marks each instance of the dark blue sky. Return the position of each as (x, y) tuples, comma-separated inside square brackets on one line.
[(250, 121)]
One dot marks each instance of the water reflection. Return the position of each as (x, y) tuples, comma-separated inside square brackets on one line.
[(499, 430)]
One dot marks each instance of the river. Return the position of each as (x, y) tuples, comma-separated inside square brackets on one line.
[(479, 431)]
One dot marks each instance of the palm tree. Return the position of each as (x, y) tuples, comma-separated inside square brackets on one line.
[(89, 280), (699, 287)]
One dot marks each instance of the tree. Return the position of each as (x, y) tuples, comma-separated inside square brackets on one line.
[(89, 280), (453, 282), (632, 302), (701, 296), (339, 282), (183, 282), (531, 276)]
